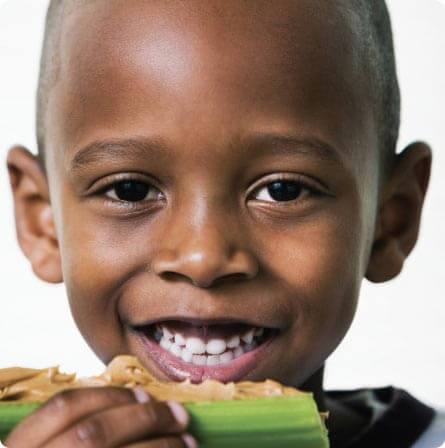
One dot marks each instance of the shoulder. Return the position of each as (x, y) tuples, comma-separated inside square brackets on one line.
[(434, 435)]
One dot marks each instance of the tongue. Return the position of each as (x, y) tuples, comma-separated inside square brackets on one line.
[(206, 332)]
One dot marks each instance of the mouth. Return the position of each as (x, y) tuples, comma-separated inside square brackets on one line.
[(197, 350)]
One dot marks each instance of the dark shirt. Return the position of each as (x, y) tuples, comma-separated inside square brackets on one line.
[(395, 418)]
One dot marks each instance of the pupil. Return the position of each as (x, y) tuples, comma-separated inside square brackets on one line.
[(284, 191), (131, 191)]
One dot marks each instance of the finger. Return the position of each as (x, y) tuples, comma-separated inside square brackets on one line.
[(186, 441), (123, 425), (64, 409)]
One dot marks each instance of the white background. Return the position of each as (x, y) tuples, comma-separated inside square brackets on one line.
[(398, 336)]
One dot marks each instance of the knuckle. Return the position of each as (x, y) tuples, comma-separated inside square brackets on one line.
[(90, 433), (147, 415), (61, 402)]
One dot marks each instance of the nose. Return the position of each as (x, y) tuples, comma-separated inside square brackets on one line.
[(206, 252)]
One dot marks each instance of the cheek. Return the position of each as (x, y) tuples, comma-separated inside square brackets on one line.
[(320, 265), (97, 258)]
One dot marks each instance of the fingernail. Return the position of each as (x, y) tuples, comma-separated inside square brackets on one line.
[(190, 441), (179, 413), (141, 395)]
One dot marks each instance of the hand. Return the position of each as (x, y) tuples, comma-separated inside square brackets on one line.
[(104, 417)]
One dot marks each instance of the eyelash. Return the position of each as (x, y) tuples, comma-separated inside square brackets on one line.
[(303, 186)]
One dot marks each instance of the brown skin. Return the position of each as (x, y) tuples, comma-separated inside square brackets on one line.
[(103, 417), (209, 242)]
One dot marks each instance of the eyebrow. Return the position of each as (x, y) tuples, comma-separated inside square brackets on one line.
[(103, 150), (156, 147), (289, 144)]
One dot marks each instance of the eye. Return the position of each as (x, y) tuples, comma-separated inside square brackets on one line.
[(284, 191), (131, 191)]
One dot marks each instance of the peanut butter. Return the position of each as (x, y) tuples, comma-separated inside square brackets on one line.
[(34, 385)]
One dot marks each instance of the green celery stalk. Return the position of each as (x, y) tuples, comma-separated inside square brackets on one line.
[(11, 413), (284, 422)]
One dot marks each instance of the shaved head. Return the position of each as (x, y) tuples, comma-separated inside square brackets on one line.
[(371, 27)]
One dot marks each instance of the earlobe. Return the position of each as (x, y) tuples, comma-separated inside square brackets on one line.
[(36, 232), (399, 215), (386, 261)]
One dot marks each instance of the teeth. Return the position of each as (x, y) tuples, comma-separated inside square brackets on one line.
[(199, 360), (216, 346), (213, 360), (179, 339), (248, 337), (165, 344), (233, 342), (216, 351), (196, 346), (238, 352), (176, 350), (186, 355), (167, 333), (226, 357)]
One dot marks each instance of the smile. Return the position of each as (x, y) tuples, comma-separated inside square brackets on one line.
[(197, 351)]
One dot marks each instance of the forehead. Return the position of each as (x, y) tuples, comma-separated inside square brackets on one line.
[(218, 68)]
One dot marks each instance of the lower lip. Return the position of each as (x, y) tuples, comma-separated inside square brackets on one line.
[(178, 370)]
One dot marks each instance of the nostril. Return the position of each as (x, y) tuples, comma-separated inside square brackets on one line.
[(172, 276), (238, 276), (176, 276)]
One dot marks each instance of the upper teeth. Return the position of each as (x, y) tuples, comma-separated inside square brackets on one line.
[(248, 337), (179, 339), (196, 346), (166, 333), (213, 352), (233, 342), (216, 346)]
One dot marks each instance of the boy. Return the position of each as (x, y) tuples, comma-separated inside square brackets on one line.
[(214, 180)]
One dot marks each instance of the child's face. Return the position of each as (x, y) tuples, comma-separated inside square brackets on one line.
[(203, 109)]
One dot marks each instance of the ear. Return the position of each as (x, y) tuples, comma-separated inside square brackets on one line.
[(399, 214), (35, 227)]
